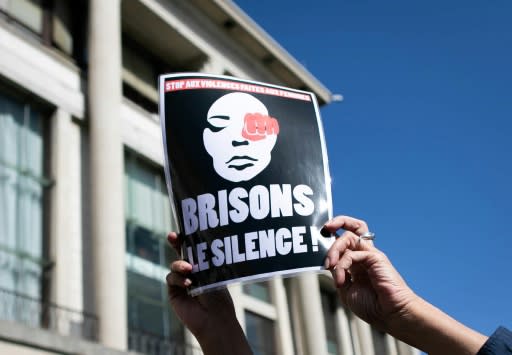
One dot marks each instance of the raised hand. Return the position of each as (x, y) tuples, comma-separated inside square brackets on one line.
[(373, 289), (210, 316), (368, 283)]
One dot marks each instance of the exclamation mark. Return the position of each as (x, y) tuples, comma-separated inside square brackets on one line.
[(314, 237), (326, 239)]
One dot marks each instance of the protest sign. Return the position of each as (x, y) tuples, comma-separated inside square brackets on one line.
[(247, 170)]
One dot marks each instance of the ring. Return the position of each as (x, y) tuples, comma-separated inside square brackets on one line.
[(366, 236)]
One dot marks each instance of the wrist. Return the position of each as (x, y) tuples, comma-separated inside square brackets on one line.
[(429, 329), (223, 336), (407, 316)]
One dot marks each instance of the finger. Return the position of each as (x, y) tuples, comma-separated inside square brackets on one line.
[(174, 241), (348, 240), (181, 267), (344, 288), (347, 265), (354, 225), (341, 277), (176, 287), (177, 280), (359, 258)]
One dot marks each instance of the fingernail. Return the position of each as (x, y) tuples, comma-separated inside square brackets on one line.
[(187, 282), (325, 233), (327, 263)]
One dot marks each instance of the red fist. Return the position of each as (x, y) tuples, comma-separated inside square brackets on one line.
[(258, 126)]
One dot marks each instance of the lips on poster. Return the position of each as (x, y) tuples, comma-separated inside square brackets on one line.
[(247, 169)]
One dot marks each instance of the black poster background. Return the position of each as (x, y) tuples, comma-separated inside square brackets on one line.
[(297, 158)]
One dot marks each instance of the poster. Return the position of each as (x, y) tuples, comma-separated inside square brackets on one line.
[(247, 171)]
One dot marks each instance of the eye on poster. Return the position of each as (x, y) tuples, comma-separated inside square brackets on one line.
[(246, 168)]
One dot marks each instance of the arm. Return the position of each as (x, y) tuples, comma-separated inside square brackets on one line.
[(370, 286), (210, 316), (435, 332)]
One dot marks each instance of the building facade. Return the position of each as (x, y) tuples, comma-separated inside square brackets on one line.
[(83, 204)]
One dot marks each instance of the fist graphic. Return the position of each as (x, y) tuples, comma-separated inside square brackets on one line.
[(258, 126)]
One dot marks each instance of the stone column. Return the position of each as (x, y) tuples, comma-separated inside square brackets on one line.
[(106, 172), (364, 332), (311, 308), (284, 329), (344, 335), (66, 218), (296, 317), (356, 337), (236, 294), (404, 349), (391, 345), (212, 66)]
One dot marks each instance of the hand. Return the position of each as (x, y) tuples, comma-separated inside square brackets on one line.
[(368, 283), (210, 316), (371, 288)]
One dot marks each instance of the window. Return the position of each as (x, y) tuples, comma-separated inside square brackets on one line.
[(259, 290), (260, 316), (148, 308), (22, 186), (329, 306), (27, 12), (140, 76), (148, 220), (141, 67), (57, 23), (61, 25), (260, 334)]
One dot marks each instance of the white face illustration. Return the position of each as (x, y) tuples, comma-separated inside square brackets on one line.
[(240, 136)]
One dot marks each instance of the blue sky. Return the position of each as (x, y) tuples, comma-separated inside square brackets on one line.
[(421, 146)]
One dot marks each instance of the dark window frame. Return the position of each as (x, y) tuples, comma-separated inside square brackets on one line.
[(15, 93), (78, 28), (164, 251)]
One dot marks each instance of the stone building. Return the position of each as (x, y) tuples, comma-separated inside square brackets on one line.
[(83, 203)]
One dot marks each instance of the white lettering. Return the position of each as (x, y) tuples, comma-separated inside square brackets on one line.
[(259, 202), (298, 240), (190, 254), (218, 255), (209, 211), (281, 200), (283, 247), (267, 243), (257, 245), (227, 248), (241, 210), (305, 206), (189, 208), (251, 253), (223, 207), (207, 215), (201, 257), (237, 256)]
